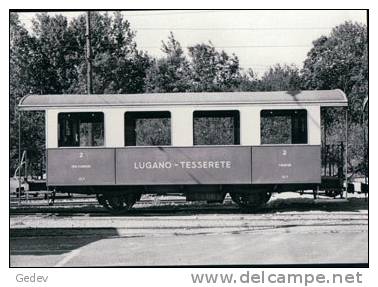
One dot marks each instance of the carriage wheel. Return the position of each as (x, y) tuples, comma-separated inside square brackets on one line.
[(254, 199)]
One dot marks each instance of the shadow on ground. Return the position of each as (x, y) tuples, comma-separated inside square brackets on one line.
[(54, 241)]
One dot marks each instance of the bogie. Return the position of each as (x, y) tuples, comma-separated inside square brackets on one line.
[(118, 203), (251, 198)]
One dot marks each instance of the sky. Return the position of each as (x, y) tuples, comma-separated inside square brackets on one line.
[(260, 38)]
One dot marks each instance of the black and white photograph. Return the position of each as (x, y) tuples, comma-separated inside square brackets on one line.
[(189, 138)]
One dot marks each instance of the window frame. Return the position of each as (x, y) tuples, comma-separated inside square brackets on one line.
[(151, 116), (231, 113), (82, 112), (284, 112)]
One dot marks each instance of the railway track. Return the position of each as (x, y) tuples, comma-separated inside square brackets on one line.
[(84, 204), (145, 225), (155, 205), (185, 209), (77, 203)]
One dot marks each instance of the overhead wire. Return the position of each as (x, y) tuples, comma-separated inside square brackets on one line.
[(215, 28), (257, 67)]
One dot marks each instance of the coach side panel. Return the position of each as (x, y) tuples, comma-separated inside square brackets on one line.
[(284, 164)]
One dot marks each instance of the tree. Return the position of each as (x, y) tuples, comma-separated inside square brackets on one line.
[(206, 70), (55, 55), (51, 60), (213, 71), (21, 79), (249, 81), (118, 66), (339, 61), (170, 73), (281, 78)]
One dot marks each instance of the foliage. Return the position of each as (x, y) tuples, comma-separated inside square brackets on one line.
[(155, 131), (215, 130), (213, 71), (276, 130), (21, 82), (118, 66), (277, 78), (281, 78), (249, 81), (54, 52), (340, 61), (170, 73), (51, 60)]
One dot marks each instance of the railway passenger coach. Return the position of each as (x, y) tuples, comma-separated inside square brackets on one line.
[(203, 145)]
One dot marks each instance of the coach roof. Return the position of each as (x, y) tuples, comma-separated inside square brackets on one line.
[(317, 97)]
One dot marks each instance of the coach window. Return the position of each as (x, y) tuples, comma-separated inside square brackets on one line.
[(147, 128), (80, 129), (216, 128), (283, 127)]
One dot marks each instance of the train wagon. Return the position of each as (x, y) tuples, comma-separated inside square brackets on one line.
[(202, 145)]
